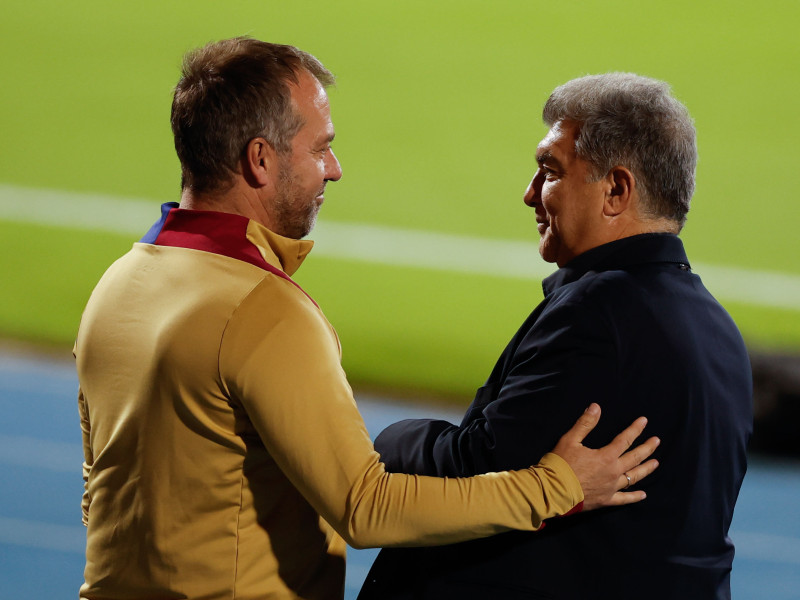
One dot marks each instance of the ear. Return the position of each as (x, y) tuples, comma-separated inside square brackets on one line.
[(259, 162), (620, 192)]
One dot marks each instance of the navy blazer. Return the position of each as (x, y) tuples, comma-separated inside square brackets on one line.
[(627, 325)]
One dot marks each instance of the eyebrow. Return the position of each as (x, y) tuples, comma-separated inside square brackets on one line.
[(324, 140), (546, 156), (328, 139)]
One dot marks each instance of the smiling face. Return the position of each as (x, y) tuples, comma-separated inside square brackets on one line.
[(569, 206), (304, 172)]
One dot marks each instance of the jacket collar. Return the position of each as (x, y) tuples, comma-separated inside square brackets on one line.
[(620, 254), (227, 234), (285, 253)]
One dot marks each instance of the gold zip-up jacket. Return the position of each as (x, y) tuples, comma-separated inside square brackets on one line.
[(224, 453)]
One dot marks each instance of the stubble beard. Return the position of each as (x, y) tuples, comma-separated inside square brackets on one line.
[(295, 215)]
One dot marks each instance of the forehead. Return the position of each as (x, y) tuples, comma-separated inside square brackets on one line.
[(309, 98), (559, 141)]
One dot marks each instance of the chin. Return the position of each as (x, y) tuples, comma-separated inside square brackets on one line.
[(547, 253)]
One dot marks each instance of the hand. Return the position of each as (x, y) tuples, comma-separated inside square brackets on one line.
[(604, 472)]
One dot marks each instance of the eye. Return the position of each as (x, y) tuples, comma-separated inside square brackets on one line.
[(549, 174)]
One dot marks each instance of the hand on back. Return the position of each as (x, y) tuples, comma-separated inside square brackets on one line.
[(605, 472)]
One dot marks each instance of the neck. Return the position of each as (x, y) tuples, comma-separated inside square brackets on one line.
[(220, 200), (637, 226), (238, 199)]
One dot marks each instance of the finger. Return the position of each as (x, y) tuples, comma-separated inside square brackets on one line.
[(620, 498), (633, 457), (638, 473), (624, 440), (585, 423)]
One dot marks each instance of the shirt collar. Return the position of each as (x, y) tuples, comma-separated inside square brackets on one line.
[(619, 254)]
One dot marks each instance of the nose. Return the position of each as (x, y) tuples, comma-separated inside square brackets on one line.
[(333, 170), (532, 194)]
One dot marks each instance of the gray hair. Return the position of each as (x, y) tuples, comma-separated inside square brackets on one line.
[(633, 121)]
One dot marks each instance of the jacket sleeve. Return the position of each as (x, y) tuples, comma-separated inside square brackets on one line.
[(280, 358), (550, 374)]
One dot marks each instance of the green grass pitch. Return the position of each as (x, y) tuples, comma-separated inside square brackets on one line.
[(437, 111)]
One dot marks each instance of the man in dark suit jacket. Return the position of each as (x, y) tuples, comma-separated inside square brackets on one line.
[(624, 323)]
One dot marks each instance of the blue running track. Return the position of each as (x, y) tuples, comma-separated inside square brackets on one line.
[(41, 536)]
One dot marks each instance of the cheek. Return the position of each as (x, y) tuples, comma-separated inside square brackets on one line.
[(550, 193), (312, 168), (551, 205), (315, 174)]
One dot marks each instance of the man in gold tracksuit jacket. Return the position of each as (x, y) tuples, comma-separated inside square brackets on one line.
[(225, 456)]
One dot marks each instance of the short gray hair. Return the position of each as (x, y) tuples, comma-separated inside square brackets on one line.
[(636, 122)]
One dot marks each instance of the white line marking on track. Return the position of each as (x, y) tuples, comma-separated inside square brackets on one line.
[(25, 451), (766, 548), (45, 536), (380, 244), (753, 547)]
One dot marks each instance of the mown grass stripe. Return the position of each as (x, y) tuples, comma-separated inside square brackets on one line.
[(380, 244)]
